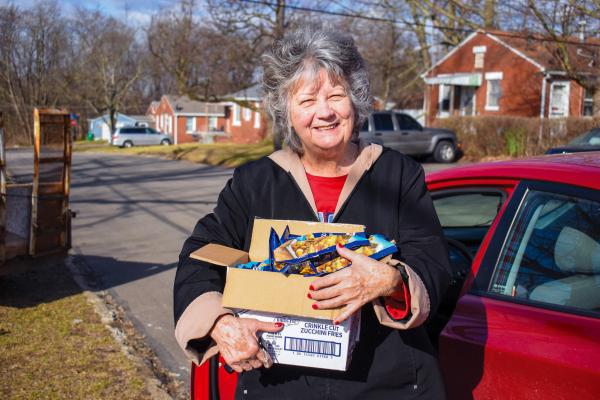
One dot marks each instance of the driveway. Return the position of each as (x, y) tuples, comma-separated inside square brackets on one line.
[(133, 214)]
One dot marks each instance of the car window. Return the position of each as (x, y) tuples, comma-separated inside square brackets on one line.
[(552, 253), (365, 126), (383, 122), (592, 137), (151, 131), (471, 209), (465, 216), (128, 130), (406, 122)]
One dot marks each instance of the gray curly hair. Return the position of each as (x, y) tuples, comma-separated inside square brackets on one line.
[(308, 49)]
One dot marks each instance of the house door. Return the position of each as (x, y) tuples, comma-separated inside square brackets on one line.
[(559, 99), (467, 101)]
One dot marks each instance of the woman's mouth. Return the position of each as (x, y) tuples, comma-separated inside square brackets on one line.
[(326, 127)]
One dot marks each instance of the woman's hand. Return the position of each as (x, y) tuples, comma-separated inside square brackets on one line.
[(354, 286), (238, 342)]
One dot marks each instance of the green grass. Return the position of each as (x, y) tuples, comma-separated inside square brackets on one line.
[(225, 154), (53, 344)]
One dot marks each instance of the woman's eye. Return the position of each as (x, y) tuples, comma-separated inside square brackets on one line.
[(306, 102), (337, 96)]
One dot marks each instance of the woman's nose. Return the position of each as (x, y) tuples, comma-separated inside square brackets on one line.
[(324, 110)]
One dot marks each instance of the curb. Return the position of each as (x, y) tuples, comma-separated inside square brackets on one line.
[(159, 382)]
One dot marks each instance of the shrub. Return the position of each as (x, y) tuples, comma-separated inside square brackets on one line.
[(491, 136)]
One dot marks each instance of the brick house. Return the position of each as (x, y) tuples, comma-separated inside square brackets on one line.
[(189, 120), (510, 74), (245, 122), (151, 111)]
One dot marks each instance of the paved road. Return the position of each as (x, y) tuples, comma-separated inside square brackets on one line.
[(133, 214)]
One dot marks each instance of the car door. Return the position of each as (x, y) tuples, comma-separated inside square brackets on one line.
[(466, 212), (385, 131), (152, 136), (415, 140), (530, 323)]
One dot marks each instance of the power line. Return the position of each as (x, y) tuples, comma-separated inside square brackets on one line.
[(535, 37)]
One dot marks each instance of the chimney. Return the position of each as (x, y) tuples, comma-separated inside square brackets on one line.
[(582, 24)]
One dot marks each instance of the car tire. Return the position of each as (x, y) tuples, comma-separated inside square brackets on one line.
[(444, 152), (127, 144), (165, 142)]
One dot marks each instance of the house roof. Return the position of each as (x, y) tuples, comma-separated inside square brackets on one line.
[(253, 92), (118, 116), (187, 106), (541, 50), (583, 56), (142, 118)]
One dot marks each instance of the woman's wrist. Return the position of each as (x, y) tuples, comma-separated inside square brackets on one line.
[(394, 281), (219, 321)]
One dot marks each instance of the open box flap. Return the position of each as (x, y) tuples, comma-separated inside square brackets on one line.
[(220, 255)]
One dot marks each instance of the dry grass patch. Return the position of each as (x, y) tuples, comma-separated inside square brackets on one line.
[(225, 154), (54, 346)]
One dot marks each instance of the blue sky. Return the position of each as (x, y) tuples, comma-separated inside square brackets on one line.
[(137, 11)]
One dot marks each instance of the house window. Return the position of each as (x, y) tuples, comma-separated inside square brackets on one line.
[(170, 123), (494, 91), (257, 119), (190, 125), (479, 52), (588, 103), (212, 124), (444, 102), (237, 117), (247, 114), (559, 99)]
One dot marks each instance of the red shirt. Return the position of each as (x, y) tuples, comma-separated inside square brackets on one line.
[(326, 192)]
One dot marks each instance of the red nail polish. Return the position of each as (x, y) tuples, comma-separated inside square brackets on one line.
[(311, 287), (336, 323), (340, 245), (309, 296), (315, 307), (278, 324)]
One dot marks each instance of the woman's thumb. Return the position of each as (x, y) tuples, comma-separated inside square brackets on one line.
[(263, 326), (345, 252)]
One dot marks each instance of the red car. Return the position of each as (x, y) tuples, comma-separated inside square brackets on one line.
[(521, 319)]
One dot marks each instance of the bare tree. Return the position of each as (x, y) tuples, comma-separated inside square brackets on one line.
[(33, 56), (107, 62), (202, 61)]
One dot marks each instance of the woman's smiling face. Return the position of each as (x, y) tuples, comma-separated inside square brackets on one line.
[(321, 113)]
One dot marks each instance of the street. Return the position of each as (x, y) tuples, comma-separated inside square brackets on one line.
[(133, 214)]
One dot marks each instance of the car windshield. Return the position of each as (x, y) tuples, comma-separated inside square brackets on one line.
[(592, 137)]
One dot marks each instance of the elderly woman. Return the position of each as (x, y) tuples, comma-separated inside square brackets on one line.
[(317, 93)]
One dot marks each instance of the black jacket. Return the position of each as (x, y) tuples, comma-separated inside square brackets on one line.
[(389, 197)]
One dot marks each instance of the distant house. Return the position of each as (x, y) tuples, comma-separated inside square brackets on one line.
[(151, 111), (245, 121), (189, 120), (235, 119), (100, 126), (512, 74)]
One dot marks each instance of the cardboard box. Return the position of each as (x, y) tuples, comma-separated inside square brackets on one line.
[(309, 342), (272, 296)]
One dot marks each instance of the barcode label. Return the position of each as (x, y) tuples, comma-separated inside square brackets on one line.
[(312, 346)]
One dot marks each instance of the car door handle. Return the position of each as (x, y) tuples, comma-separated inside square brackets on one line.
[(404, 133), (377, 134)]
